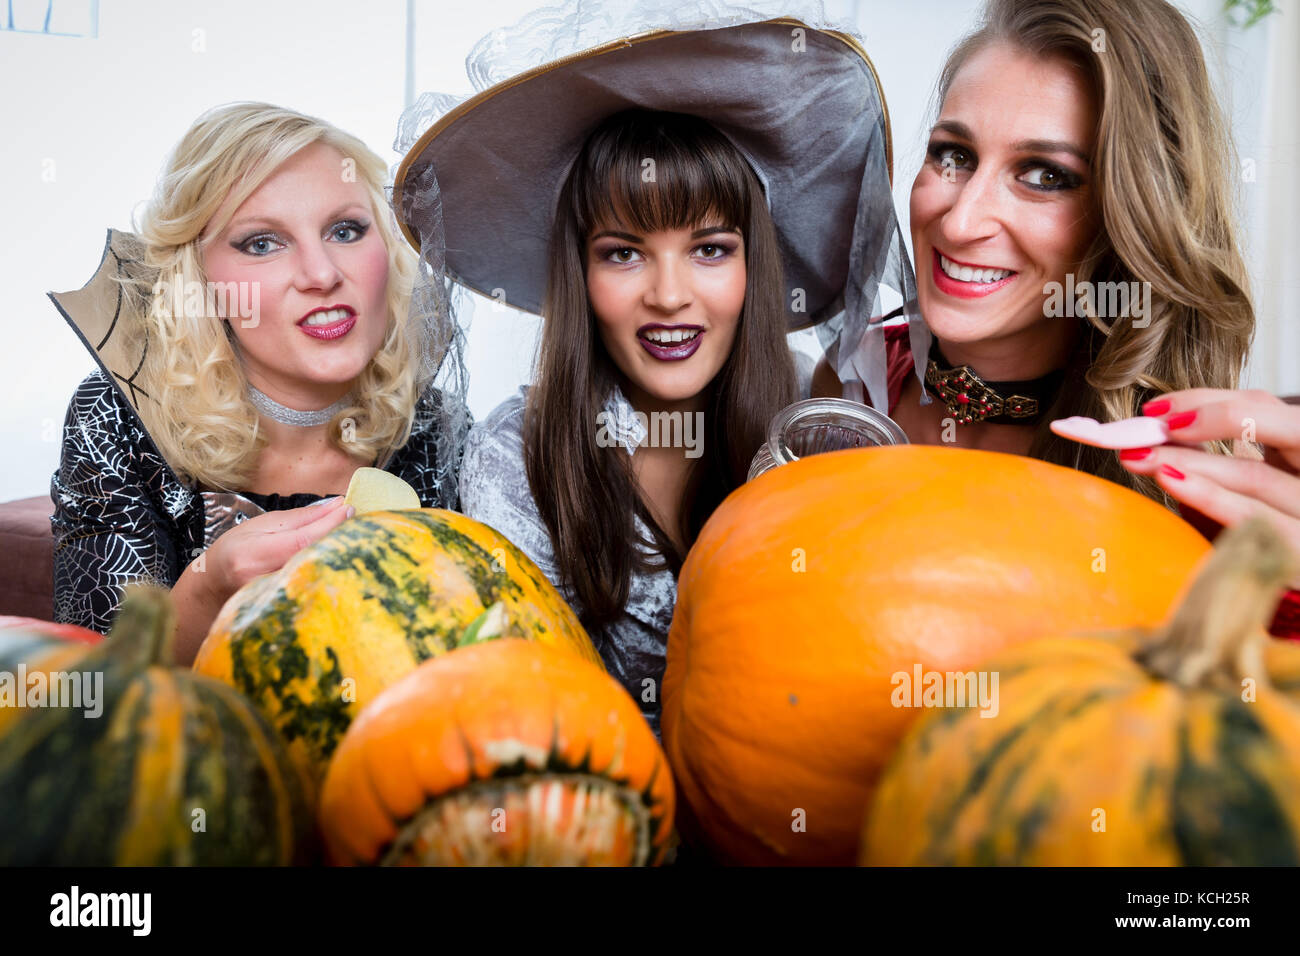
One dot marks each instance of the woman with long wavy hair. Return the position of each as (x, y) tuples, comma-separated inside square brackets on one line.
[(662, 359), (262, 348), (1076, 255), (671, 228)]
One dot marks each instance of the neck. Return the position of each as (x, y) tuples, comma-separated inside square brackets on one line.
[(289, 436), (648, 405), (293, 436), (301, 396), (1021, 356)]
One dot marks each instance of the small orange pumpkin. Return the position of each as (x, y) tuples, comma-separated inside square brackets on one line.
[(817, 590), (1179, 745), (503, 753)]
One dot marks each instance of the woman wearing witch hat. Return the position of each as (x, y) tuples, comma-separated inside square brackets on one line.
[(266, 335), (673, 196)]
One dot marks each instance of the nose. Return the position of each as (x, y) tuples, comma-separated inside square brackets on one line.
[(975, 211), (668, 289), (317, 270)]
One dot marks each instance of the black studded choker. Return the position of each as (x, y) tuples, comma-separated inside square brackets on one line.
[(971, 399)]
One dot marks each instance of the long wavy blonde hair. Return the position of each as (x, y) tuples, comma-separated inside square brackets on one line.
[(207, 428), (1163, 172)]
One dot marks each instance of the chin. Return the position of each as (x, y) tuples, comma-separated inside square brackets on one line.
[(340, 369), (955, 325), (670, 392)]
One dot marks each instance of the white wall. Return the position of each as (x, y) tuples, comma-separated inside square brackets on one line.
[(106, 111)]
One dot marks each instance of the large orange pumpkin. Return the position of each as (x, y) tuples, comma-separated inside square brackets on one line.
[(817, 594), (508, 752), (1136, 748)]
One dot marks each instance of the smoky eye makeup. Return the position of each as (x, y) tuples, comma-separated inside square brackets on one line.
[(247, 243), (947, 152), (1045, 176)]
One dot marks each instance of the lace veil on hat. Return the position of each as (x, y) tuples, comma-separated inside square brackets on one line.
[(796, 94)]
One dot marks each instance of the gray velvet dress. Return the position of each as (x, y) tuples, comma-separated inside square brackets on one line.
[(494, 489)]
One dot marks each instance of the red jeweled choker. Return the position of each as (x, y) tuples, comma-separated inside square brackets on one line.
[(970, 398)]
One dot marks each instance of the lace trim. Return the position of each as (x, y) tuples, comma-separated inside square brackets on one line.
[(551, 33)]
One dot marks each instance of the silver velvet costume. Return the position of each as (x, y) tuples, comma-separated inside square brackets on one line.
[(494, 489)]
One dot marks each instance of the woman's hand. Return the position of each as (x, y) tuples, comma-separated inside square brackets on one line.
[(253, 547), (1228, 489), (264, 543)]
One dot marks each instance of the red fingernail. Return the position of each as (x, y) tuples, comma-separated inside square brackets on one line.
[(1181, 420), (1134, 454), (1158, 407), (1172, 472)]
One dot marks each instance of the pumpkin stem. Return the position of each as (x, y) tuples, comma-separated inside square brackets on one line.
[(142, 631), (1217, 632)]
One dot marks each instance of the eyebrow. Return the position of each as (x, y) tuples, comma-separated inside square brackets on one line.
[(277, 224), (1023, 146), (628, 237)]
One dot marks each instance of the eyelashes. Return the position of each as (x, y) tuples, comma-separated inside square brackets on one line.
[(1037, 174), (723, 250), (249, 243)]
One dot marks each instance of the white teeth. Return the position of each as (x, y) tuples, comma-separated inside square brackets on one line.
[(327, 318), (669, 337), (969, 274)]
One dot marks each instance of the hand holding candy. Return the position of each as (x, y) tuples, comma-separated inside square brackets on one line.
[(1227, 488), (1127, 433)]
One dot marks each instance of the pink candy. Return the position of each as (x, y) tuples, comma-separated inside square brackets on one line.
[(1140, 432)]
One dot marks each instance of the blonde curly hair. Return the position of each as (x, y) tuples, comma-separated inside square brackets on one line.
[(208, 429)]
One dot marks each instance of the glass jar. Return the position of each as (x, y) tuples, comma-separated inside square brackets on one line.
[(817, 425)]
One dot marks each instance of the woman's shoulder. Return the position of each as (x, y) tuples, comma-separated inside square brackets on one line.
[(97, 401), (494, 487), (425, 460), (508, 416), (501, 432), (107, 457), (99, 416)]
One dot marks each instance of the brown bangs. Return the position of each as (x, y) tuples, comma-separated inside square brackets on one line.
[(649, 171)]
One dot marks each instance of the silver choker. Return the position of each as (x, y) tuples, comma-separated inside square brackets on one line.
[(285, 415)]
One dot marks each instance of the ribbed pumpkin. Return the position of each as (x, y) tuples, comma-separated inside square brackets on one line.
[(1144, 748), (815, 590), (174, 769), (503, 753), (316, 641), (37, 645)]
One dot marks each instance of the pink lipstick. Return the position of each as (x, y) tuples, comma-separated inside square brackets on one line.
[(343, 321)]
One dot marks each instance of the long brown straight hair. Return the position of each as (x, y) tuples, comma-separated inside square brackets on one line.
[(1163, 174), (588, 495)]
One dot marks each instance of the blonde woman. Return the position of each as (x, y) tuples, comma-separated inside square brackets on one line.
[(257, 346), (1072, 229)]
